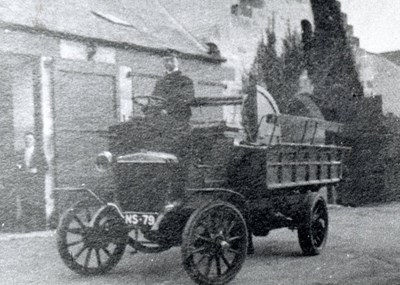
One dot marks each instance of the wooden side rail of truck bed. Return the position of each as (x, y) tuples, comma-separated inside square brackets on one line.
[(291, 165)]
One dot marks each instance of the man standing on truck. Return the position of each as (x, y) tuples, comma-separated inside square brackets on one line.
[(177, 89), (178, 92)]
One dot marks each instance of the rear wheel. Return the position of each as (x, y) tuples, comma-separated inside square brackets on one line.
[(313, 231), (91, 241), (214, 243)]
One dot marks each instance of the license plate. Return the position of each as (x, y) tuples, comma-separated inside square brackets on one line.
[(140, 219)]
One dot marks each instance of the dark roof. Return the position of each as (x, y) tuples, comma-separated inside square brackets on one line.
[(393, 56), (142, 23)]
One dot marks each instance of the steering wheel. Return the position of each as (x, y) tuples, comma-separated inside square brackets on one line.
[(150, 105), (151, 101)]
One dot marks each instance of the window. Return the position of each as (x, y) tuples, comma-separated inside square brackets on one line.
[(104, 54), (254, 3), (86, 52), (245, 9), (73, 50), (113, 19), (235, 10), (242, 9)]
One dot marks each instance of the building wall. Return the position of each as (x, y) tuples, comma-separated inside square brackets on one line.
[(20, 42), (76, 81), (70, 99), (23, 103), (377, 151), (380, 77), (6, 150), (380, 80), (237, 35), (85, 104)]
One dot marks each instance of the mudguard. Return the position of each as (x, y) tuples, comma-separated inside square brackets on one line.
[(197, 197), (67, 197)]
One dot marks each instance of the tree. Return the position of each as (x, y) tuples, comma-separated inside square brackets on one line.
[(279, 73)]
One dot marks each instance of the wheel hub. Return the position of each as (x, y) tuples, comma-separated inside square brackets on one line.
[(225, 245), (220, 244), (97, 238), (91, 238)]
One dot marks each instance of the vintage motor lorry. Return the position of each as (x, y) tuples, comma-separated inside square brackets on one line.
[(235, 188)]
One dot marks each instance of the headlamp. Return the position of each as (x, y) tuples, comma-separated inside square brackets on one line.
[(103, 161)]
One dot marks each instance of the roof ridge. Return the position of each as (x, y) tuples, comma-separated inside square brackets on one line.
[(144, 24), (385, 60), (182, 28)]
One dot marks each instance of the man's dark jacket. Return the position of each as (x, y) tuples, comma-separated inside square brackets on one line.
[(178, 91)]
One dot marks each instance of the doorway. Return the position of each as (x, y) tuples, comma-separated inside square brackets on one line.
[(18, 115)]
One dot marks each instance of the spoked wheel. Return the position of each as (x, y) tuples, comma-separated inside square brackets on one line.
[(314, 230), (214, 243), (91, 241)]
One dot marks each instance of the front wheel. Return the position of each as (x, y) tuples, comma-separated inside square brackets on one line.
[(313, 231), (214, 243), (91, 240)]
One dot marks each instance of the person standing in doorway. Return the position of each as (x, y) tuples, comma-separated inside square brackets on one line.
[(30, 195)]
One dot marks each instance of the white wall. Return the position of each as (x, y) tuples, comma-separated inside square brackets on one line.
[(380, 77)]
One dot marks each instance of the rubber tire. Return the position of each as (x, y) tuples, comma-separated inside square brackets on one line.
[(188, 232), (67, 257), (305, 231)]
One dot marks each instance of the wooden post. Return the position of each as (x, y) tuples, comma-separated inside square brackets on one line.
[(47, 123)]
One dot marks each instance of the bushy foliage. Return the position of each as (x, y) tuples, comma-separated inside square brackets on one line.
[(280, 73), (330, 65)]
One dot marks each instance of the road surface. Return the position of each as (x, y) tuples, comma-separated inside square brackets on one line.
[(363, 248)]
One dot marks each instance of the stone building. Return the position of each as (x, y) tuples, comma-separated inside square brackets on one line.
[(70, 68), (378, 129), (374, 131)]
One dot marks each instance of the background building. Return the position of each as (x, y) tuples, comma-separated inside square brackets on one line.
[(69, 69)]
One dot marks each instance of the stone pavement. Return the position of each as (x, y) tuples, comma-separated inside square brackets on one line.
[(39, 234)]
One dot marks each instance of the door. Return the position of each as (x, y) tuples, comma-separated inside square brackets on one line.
[(85, 105)]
